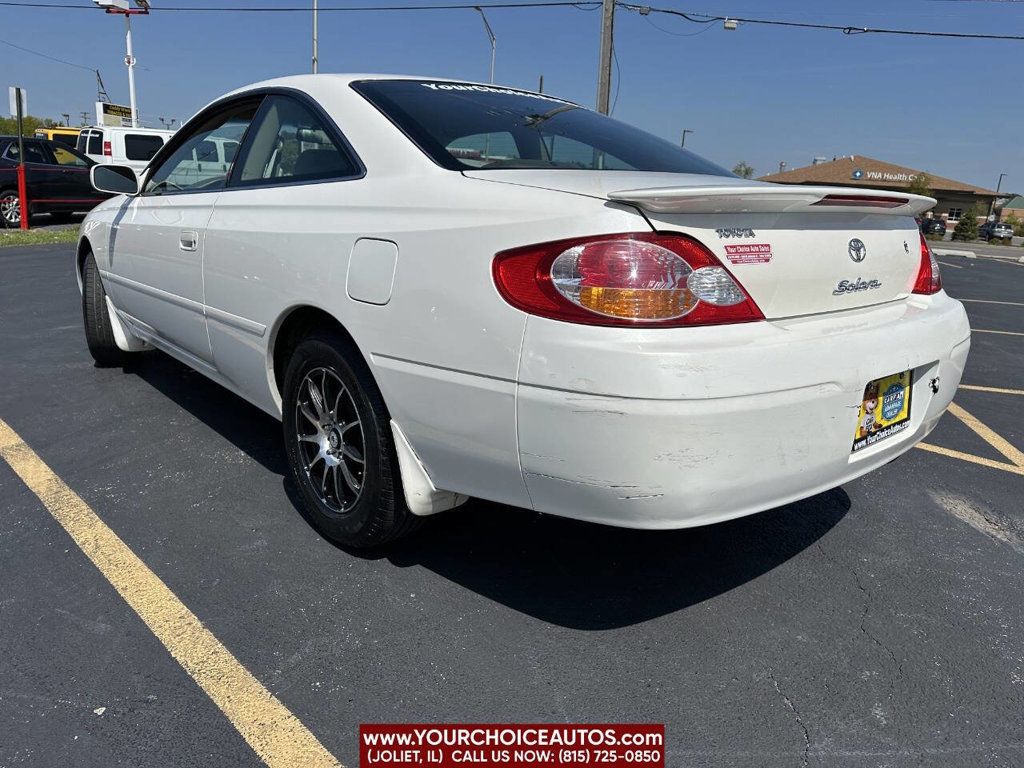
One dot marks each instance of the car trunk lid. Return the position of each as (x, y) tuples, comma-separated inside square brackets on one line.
[(796, 250)]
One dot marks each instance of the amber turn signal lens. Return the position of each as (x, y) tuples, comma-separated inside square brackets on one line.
[(637, 302)]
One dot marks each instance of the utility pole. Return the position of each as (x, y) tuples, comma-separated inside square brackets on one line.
[(604, 66), (540, 86), (316, 36), (992, 205)]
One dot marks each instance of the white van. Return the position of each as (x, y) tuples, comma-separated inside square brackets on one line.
[(134, 147), (207, 161)]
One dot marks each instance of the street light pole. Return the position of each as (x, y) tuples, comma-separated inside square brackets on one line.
[(122, 7), (316, 38), (129, 60), (492, 38), (685, 131)]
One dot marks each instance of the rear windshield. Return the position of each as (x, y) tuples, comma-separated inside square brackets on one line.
[(90, 142), (480, 127)]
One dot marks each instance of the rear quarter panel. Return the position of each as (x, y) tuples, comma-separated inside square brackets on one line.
[(445, 349)]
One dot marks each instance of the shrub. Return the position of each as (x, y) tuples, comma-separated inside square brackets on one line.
[(967, 227)]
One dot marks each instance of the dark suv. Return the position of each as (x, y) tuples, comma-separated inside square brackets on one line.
[(56, 179)]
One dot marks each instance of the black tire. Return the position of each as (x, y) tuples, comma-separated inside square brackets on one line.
[(99, 334), (377, 513), (5, 222)]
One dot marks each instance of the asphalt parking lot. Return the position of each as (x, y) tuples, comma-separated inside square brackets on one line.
[(878, 624)]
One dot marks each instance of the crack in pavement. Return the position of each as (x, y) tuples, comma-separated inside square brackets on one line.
[(805, 757), (862, 629)]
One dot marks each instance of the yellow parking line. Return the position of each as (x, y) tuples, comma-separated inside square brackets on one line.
[(988, 301), (998, 442), (273, 732), (971, 458), (1006, 333), (996, 390)]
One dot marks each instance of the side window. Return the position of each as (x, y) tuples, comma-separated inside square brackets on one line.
[(34, 153), (140, 146), (292, 144), (196, 165), (95, 145), (68, 157), (482, 148), (206, 152)]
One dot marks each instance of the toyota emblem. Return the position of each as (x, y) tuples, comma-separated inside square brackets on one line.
[(858, 250)]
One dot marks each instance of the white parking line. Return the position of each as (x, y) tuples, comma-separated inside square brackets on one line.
[(996, 390), (989, 301)]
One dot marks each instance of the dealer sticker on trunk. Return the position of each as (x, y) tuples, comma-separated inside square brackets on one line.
[(884, 411), (749, 253)]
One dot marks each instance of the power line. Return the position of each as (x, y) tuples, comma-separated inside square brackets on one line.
[(585, 5), (47, 56), (703, 18)]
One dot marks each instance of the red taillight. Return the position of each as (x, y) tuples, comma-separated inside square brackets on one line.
[(634, 279), (107, 152), (929, 280)]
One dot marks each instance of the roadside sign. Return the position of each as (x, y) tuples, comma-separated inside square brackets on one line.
[(113, 114), (12, 91)]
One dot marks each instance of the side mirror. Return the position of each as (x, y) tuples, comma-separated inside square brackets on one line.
[(115, 179)]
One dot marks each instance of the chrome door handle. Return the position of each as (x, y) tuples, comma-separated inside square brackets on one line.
[(189, 240)]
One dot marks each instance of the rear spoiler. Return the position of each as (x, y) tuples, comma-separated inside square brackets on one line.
[(773, 198)]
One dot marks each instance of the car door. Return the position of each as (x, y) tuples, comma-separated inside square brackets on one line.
[(75, 190), (42, 178), (159, 237), (277, 218)]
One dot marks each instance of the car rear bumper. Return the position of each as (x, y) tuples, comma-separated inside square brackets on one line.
[(671, 428)]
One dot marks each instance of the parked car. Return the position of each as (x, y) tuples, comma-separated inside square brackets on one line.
[(56, 178), (934, 226), (995, 230), (61, 134), (133, 147), (451, 289)]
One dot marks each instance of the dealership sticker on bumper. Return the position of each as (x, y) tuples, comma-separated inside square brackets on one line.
[(749, 253), (884, 411)]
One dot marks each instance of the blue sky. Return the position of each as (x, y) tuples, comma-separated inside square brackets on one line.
[(759, 94)]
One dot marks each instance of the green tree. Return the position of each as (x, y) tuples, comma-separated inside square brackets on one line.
[(743, 170), (967, 227), (9, 125), (920, 185), (1018, 226)]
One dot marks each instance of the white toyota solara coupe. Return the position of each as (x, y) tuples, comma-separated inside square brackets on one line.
[(447, 289)]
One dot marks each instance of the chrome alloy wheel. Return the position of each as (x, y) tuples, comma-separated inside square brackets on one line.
[(10, 209), (330, 439)]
